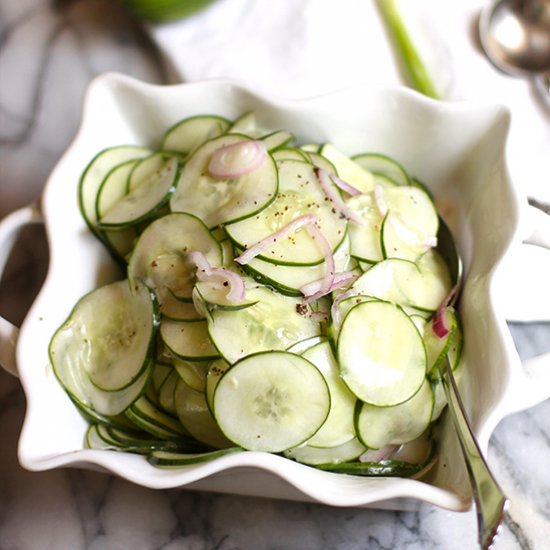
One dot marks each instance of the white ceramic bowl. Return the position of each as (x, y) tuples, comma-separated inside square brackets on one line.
[(458, 150)]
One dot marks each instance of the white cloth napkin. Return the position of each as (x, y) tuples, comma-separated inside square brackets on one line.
[(300, 48)]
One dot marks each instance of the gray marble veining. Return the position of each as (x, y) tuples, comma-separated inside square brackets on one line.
[(49, 51)]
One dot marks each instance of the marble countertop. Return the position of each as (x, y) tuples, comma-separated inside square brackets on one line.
[(49, 51)]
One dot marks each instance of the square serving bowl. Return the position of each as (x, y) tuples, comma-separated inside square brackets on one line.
[(457, 149)]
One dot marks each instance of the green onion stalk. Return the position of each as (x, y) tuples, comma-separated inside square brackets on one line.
[(416, 71), (160, 11)]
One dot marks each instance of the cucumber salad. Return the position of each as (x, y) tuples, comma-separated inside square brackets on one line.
[(274, 297)]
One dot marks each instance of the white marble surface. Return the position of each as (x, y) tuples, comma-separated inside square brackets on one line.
[(49, 51)]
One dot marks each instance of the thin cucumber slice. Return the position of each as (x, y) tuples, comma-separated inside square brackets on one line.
[(194, 414), (302, 346), (148, 416), (300, 194), (120, 243), (189, 134), (215, 294), (246, 124), (310, 147), (92, 440), (118, 420), (145, 198), (452, 347), (114, 187), (383, 181), (99, 403), (160, 256), (259, 401), (108, 338), (215, 372), (178, 309), (145, 168), (433, 262), (188, 339), (102, 435), (201, 305), (405, 283), (307, 454), (167, 459), (217, 201), (365, 239), (343, 308), (228, 253), (385, 468), (417, 183), (275, 322), (420, 321), (381, 426), (457, 347), (289, 153), (144, 445), (95, 173), (165, 394), (378, 163), (349, 170), (338, 428), (118, 435), (321, 162), (411, 226), (381, 354), (160, 372), (193, 373), (277, 139), (437, 347)]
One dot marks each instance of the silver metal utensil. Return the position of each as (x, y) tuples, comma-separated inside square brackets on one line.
[(515, 36), (489, 499)]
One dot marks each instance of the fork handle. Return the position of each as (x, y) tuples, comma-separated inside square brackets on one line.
[(488, 496)]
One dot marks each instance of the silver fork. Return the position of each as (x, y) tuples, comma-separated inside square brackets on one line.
[(490, 501)]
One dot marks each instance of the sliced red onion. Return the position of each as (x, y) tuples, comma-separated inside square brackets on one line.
[(200, 261), (345, 186), (314, 291), (205, 272), (319, 316), (440, 320), (237, 159), (236, 285), (334, 197), (380, 200), (439, 323), (199, 304), (430, 242), (326, 250), (285, 231)]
